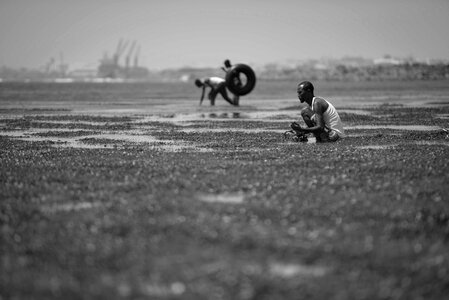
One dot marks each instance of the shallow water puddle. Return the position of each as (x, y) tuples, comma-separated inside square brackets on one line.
[(260, 116), (442, 116), (81, 145), (292, 270), (419, 143), (376, 147), (36, 131), (128, 137), (266, 116), (179, 147), (442, 143), (229, 198), (67, 207), (356, 112), (74, 122), (397, 127), (105, 140), (231, 129), (166, 291), (62, 142)]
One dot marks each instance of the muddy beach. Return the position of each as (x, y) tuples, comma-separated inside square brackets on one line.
[(112, 194)]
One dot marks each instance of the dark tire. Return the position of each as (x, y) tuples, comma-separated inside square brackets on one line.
[(238, 84)]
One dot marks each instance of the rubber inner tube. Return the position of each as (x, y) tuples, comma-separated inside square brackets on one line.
[(241, 79)]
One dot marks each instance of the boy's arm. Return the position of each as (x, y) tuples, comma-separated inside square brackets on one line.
[(202, 94), (319, 120)]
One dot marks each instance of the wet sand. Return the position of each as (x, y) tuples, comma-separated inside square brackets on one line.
[(263, 116)]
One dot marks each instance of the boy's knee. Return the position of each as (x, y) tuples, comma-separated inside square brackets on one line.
[(306, 112), (307, 115)]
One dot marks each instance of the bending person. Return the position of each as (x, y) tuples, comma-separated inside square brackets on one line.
[(217, 86)]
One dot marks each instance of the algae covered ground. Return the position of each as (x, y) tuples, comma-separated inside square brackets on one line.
[(135, 192)]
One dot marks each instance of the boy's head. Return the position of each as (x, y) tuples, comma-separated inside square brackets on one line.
[(305, 91), (198, 83)]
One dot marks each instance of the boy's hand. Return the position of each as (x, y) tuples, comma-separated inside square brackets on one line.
[(295, 126)]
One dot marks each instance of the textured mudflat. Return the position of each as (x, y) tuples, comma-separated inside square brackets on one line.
[(200, 206)]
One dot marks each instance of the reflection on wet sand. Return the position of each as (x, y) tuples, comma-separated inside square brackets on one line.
[(140, 129)]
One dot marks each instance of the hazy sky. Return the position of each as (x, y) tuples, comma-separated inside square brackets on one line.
[(174, 33)]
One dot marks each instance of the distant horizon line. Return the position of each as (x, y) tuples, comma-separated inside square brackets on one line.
[(402, 59)]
